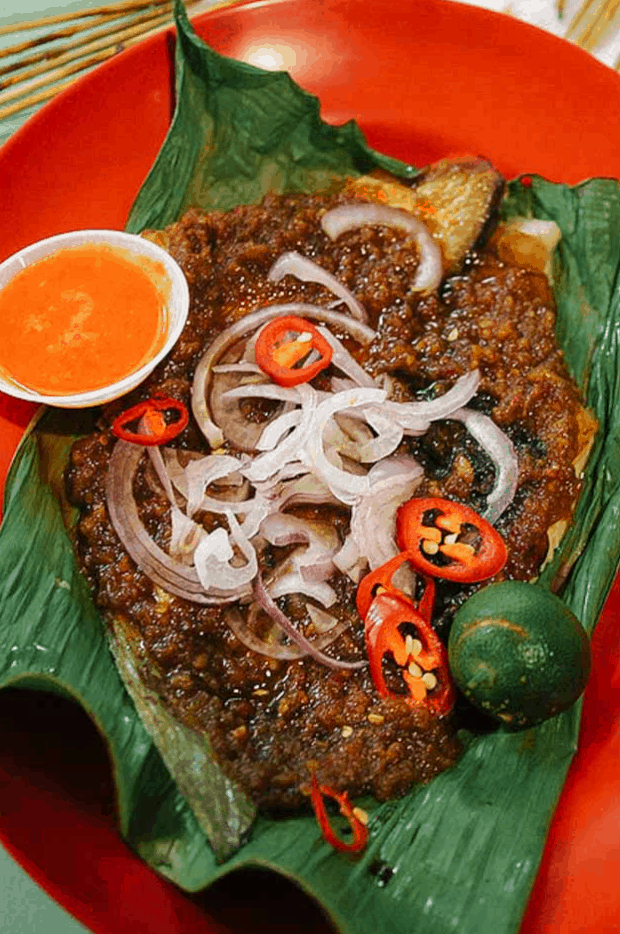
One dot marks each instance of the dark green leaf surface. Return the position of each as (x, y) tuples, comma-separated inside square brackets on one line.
[(239, 132), (461, 853)]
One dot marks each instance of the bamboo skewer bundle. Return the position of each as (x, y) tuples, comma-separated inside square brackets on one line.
[(85, 38), (36, 68), (592, 23)]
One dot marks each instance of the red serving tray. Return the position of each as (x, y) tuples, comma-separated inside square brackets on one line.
[(424, 80)]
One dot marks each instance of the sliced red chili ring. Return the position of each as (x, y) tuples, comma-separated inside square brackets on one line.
[(447, 539), (381, 579), (423, 658), (285, 343), (155, 428), (359, 828)]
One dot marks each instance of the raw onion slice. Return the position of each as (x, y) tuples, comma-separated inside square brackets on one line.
[(303, 487), (344, 485), (245, 367), (344, 361), (501, 450), (323, 622), (171, 575), (321, 541), (293, 582), (412, 415), (199, 474), (227, 409), (373, 519), (268, 604), (274, 432), (350, 561), (350, 216), (303, 268), (214, 559), (185, 536), (266, 390), (242, 329), (185, 533), (389, 436), (291, 448), (273, 645)]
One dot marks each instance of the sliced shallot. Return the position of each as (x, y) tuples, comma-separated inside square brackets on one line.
[(214, 559), (320, 538), (170, 574), (303, 268), (264, 598), (344, 485), (373, 519), (273, 645), (344, 361), (350, 216), (410, 415), (244, 328), (501, 450)]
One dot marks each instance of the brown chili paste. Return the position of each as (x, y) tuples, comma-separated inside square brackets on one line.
[(272, 722)]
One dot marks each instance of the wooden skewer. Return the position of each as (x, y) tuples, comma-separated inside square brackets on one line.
[(600, 26), (48, 90), (112, 9), (37, 84), (34, 99), (44, 89), (582, 13), (85, 33), (71, 51), (599, 16), (65, 33)]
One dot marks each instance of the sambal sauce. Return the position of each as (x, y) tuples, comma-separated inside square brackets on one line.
[(81, 319)]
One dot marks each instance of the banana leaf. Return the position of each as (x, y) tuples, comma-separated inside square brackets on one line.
[(462, 852)]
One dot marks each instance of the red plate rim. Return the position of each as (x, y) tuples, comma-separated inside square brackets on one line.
[(573, 867)]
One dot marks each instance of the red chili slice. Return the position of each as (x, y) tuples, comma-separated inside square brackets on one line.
[(155, 428), (423, 658), (284, 344), (381, 579), (360, 831), (449, 540)]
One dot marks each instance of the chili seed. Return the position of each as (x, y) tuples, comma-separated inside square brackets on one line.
[(413, 646), (429, 548), (429, 680), (415, 670), (347, 731)]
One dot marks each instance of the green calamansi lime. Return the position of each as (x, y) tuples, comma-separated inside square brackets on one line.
[(518, 653)]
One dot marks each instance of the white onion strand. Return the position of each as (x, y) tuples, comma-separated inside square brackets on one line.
[(347, 217)]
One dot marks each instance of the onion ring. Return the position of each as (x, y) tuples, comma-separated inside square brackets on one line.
[(239, 330), (350, 216), (168, 573), (264, 598), (501, 450), (301, 267)]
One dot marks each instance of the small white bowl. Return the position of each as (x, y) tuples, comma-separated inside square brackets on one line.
[(173, 287)]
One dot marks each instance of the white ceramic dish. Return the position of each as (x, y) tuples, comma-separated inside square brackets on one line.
[(173, 287)]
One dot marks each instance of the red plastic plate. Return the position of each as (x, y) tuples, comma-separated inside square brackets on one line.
[(424, 80)]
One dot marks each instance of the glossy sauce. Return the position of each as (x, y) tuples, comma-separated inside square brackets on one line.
[(81, 319)]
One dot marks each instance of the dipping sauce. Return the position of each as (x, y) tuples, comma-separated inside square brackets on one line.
[(81, 319)]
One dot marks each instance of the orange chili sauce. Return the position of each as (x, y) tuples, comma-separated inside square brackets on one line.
[(81, 319)]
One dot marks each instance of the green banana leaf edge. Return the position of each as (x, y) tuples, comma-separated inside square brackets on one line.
[(462, 852)]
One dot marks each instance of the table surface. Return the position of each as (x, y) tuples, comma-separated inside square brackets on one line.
[(24, 907)]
